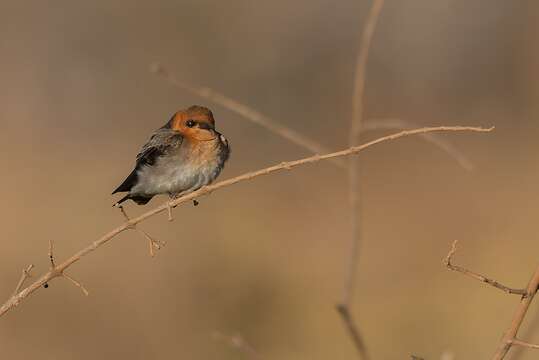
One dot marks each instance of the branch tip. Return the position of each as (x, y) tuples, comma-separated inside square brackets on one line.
[(479, 277), (76, 283)]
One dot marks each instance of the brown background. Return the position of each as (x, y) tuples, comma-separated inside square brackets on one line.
[(266, 258)]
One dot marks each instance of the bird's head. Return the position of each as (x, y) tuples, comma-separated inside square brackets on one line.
[(195, 122)]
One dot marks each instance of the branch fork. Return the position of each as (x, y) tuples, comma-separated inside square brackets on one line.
[(16, 299), (153, 243), (56, 271), (509, 337)]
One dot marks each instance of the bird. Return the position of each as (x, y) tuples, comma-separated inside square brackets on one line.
[(182, 156)]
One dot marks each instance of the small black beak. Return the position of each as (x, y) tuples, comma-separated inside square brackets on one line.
[(205, 126)]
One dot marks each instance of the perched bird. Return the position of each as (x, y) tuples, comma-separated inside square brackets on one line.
[(180, 157)]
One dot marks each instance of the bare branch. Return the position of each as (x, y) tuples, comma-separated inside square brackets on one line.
[(353, 173), (510, 335), (484, 279), (51, 256), (398, 124), (246, 112), (25, 275), (76, 283), (353, 330), (355, 130), (15, 300), (151, 241), (524, 344)]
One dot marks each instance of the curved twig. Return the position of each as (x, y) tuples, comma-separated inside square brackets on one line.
[(246, 112), (58, 270), (398, 124)]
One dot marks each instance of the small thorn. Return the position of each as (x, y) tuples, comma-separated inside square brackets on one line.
[(51, 256), (154, 244), (77, 284)]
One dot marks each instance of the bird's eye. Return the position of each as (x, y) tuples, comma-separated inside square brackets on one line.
[(190, 123)]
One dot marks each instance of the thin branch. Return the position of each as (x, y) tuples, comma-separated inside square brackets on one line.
[(353, 330), (246, 112), (484, 279), (398, 124), (51, 256), (355, 130), (353, 175), (510, 335), (53, 273), (530, 332), (76, 283), (25, 275), (151, 241), (61, 273), (524, 344)]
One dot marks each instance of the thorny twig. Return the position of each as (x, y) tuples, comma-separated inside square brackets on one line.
[(61, 272), (25, 275), (153, 243), (16, 299)]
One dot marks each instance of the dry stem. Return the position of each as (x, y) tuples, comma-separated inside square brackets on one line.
[(353, 173), (151, 241), (16, 299), (61, 273), (294, 137), (524, 344), (353, 330), (442, 144), (510, 336), (25, 275), (484, 279), (246, 112)]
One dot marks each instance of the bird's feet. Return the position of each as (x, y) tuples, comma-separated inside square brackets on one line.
[(122, 210)]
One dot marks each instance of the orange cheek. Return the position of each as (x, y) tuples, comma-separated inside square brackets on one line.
[(204, 135), (200, 135)]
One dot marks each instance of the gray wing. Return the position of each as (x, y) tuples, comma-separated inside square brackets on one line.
[(162, 142)]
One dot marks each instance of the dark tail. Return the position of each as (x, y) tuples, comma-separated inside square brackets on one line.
[(128, 183), (140, 200)]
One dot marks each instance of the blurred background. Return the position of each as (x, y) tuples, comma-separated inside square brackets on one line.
[(266, 258)]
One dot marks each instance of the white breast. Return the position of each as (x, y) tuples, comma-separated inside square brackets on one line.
[(176, 173)]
